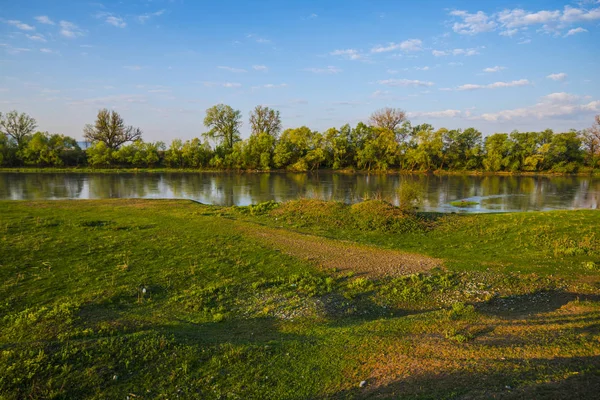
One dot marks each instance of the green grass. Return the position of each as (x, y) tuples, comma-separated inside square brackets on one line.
[(463, 203), (163, 299)]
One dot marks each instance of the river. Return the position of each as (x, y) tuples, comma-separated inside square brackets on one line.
[(494, 193)]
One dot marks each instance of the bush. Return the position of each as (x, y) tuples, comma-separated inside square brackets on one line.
[(410, 196)]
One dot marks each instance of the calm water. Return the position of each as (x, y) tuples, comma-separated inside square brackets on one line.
[(494, 193)]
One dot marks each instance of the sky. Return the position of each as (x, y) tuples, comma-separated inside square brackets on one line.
[(497, 66)]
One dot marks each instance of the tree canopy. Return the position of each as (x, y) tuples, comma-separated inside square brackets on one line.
[(111, 130), (17, 126), (265, 120), (224, 123)]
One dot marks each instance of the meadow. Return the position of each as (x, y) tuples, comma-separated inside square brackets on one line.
[(164, 299)]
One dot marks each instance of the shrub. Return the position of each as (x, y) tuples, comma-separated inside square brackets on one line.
[(410, 196)]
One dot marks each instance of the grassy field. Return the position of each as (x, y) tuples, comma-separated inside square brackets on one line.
[(158, 299)]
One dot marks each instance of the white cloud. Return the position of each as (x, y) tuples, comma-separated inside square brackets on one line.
[(509, 32), (47, 51), (575, 31), (273, 86), (223, 84), (329, 70), (69, 29), (407, 46), (525, 41), (260, 68), (145, 17), (495, 85), (472, 24), (455, 52), (37, 38), (231, 69), (550, 106), (494, 69), (116, 21), (350, 54), (43, 19), (258, 39), (425, 68), (132, 67), (404, 82), (435, 114), (557, 77), (111, 101), (20, 25)]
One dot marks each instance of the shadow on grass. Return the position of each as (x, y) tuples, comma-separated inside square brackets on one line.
[(519, 306), (558, 378)]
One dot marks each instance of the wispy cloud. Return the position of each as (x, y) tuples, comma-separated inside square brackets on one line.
[(404, 82), (258, 39), (495, 85), (455, 52), (116, 21), (132, 67), (575, 31), (69, 30), (37, 38), (561, 76), (145, 17), (48, 51), (550, 106), (271, 86), (231, 69), (328, 70), (263, 68), (435, 114), (472, 24), (19, 25), (111, 101), (350, 54), (407, 46), (222, 84), (43, 19), (494, 69)]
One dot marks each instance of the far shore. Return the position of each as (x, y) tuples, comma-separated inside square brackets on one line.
[(117, 170)]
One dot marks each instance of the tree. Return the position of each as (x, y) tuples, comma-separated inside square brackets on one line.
[(44, 149), (591, 141), (224, 123), (265, 120), (387, 118), (111, 130), (18, 126)]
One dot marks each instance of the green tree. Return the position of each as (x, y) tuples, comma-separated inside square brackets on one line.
[(426, 152), (591, 142), (265, 120), (44, 149), (224, 123), (258, 151), (299, 149), (497, 148), (111, 130), (17, 126), (379, 150), (174, 154), (462, 149), (99, 155)]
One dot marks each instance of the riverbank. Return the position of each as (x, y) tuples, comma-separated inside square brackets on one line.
[(593, 173), (167, 298)]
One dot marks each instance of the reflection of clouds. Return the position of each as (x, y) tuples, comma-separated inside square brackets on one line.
[(495, 193)]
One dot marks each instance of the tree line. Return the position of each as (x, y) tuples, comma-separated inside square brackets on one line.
[(387, 141)]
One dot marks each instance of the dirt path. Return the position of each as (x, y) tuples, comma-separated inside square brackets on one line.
[(342, 255)]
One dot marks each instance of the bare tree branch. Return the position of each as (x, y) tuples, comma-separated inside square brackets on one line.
[(265, 119), (18, 126), (111, 130), (387, 118)]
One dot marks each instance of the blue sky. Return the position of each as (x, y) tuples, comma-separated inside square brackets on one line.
[(493, 65)]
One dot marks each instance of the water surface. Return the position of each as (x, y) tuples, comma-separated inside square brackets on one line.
[(494, 193)]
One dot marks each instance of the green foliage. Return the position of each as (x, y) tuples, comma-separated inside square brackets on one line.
[(370, 215), (410, 195), (463, 203)]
